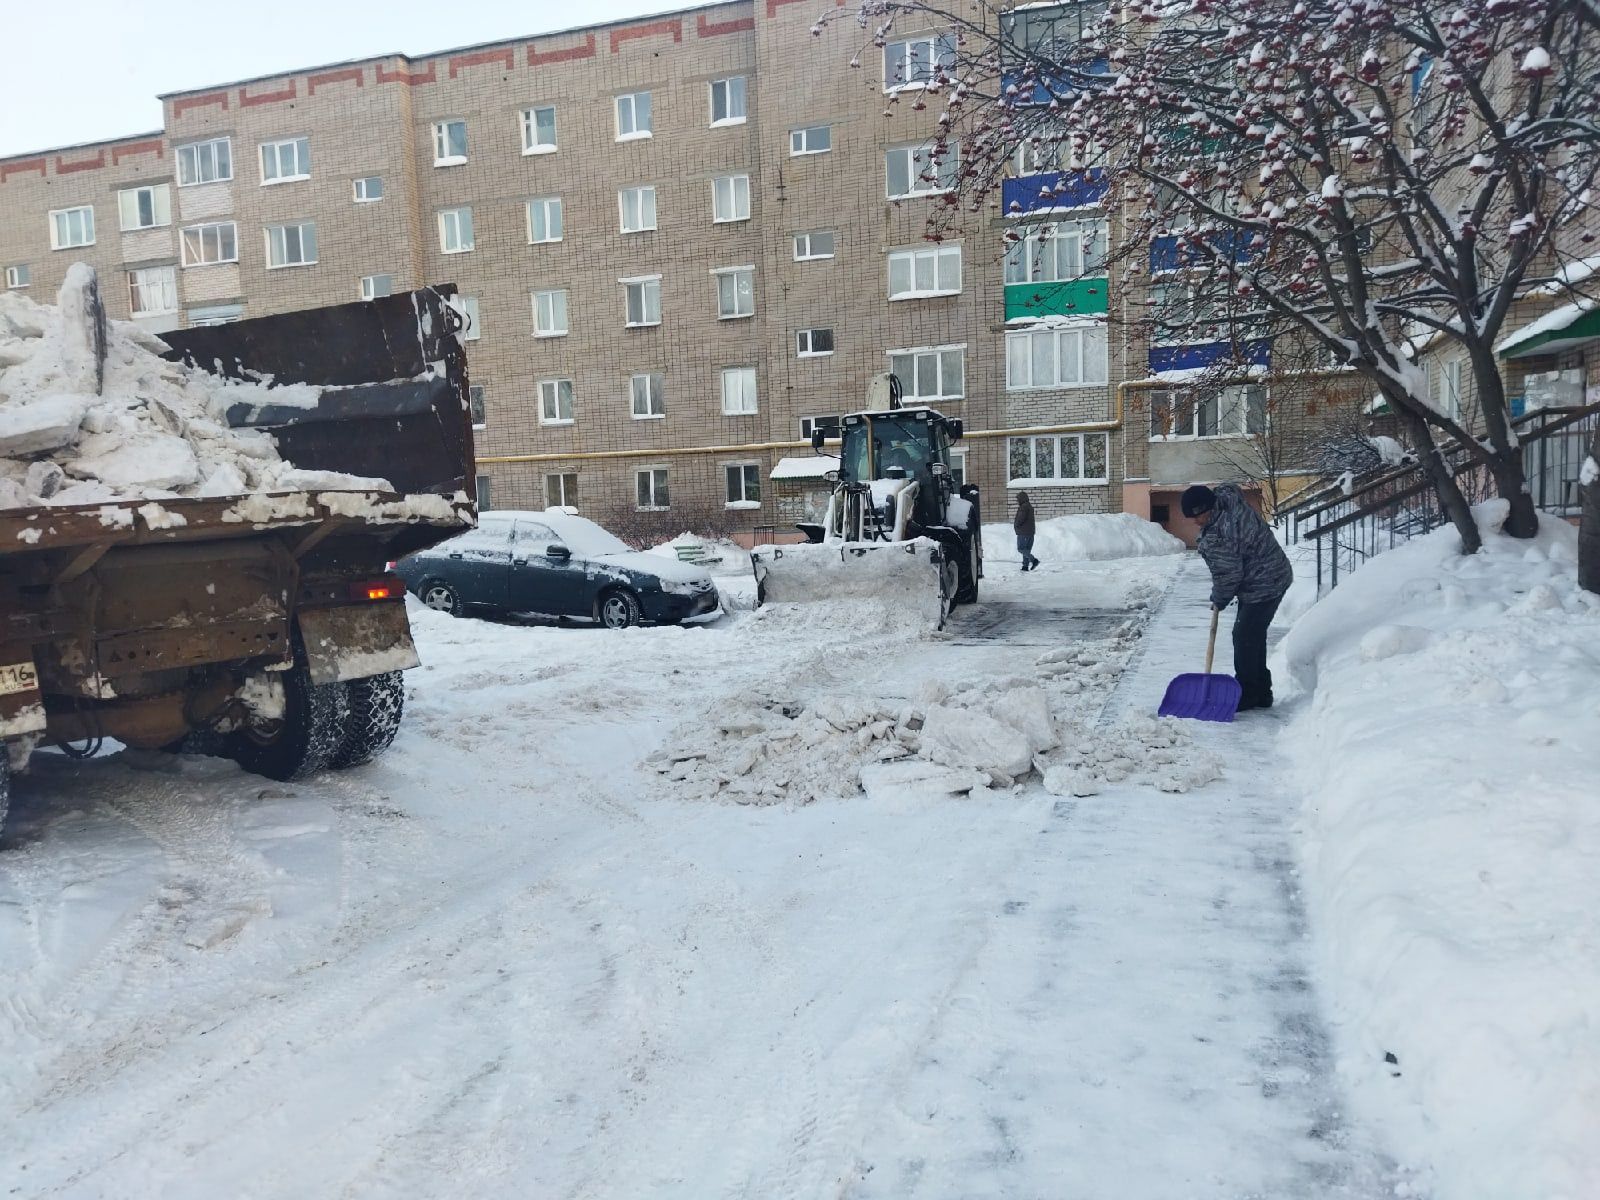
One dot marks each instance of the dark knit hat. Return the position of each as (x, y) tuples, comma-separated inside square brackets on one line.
[(1197, 499)]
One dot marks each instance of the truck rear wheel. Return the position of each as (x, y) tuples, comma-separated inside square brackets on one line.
[(5, 785), (375, 708), (304, 740)]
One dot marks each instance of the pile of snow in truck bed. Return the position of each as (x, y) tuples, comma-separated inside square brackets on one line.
[(155, 430)]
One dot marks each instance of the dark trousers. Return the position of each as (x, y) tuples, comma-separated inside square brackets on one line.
[(1025, 548), (1250, 652)]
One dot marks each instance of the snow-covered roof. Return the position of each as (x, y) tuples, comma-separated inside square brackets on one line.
[(805, 468), (1557, 320)]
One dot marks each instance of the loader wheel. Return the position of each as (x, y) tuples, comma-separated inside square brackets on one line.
[(618, 609), (304, 740), (967, 592), (376, 705), (441, 597)]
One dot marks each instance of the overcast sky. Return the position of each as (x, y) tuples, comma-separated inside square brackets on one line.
[(87, 70)]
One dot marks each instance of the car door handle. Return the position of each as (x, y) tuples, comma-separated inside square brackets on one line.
[(519, 562), (456, 554)]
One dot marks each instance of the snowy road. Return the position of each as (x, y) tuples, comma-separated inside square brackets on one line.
[(500, 962)]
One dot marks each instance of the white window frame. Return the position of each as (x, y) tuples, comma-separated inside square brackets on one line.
[(919, 164), (634, 133), (550, 396), (936, 359), (1451, 394), (442, 139), (728, 288), (559, 498), (369, 286), (742, 396), (726, 194), (1057, 479), (800, 140), (833, 425), (902, 52), (467, 306), (805, 341), (958, 466), (1089, 337), (939, 256), (360, 191), (451, 218), (530, 130), (165, 282), (20, 275), (478, 405), (1186, 313), (193, 159), (653, 392), (160, 207), (61, 224), (200, 231), (728, 90), (300, 153), (657, 490), (644, 192), (278, 239), (554, 303), (642, 282), (1036, 256), (745, 500), (1229, 414), (809, 256), (547, 205)]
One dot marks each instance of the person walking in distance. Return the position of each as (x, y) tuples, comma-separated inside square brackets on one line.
[(1025, 527), (1248, 565)]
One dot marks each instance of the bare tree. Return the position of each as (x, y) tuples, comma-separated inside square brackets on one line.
[(1358, 174)]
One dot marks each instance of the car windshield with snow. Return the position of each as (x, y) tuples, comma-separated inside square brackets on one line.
[(557, 564)]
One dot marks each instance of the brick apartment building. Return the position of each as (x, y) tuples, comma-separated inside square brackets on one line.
[(681, 240)]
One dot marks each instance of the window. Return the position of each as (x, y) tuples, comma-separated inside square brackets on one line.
[(153, 291), (738, 391), (925, 271), (808, 246), (633, 116), (730, 198), (1450, 397), (292, 245), (736, 292), (917, 171), (284, 162), (482, 490), (555, 402), (649, 394), (204, 245), (550, 313), (1051, 29), (1064, 459), (638, 208), (813, 343), (561, 491), (71, 227), (813, 139), (727, 101), (215, 314), (455, 231), (467, 306), (476, 406), (373, 286), (369, 189), (1056, 358), (651, 488), (1230, 412), (539, 130), (544, 220), (205, 162), (958, 467), (1050, 253), (145, 207), (449, 143), (19, 276), (1187, 313), (915, 62), (933, 373), (744, 485), (828, 425), (644, 300)]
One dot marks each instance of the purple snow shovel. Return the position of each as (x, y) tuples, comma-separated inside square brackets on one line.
[(1205, 697)]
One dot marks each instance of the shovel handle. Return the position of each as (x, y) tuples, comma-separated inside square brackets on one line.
[(1211, 644)]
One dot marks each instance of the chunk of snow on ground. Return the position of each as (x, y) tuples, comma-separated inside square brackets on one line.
[(1389, 641), (1590, 472)]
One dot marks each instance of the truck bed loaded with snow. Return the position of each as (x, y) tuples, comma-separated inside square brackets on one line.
[(196, 532)]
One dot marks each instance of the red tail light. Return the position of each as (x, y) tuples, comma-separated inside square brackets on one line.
[(388, 587)]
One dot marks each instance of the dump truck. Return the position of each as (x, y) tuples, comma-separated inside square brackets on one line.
[(896, 526), (269, 622)]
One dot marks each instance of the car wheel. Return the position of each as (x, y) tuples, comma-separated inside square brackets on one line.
[(618, 609), (441, 597)]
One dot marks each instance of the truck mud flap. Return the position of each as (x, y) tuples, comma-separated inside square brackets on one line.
[(357, 642)]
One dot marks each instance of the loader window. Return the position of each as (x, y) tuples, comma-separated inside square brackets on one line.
[(896, 442)]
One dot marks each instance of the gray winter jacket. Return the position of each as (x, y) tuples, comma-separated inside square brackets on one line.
[(1246, 561)]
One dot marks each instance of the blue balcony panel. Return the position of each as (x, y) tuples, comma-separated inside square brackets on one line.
[(1070, 189), (1206, 354)]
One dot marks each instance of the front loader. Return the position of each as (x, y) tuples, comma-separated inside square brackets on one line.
[(897, 525)]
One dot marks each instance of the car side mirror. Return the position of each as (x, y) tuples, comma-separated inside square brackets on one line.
[(956, 429), (817, 439), (558, 552)]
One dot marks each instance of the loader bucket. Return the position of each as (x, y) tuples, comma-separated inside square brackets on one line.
[(913, 575)]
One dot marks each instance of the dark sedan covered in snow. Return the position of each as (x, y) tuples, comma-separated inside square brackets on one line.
[(556, 564)]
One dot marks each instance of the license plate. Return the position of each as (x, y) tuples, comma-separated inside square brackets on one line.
[(18, 677)]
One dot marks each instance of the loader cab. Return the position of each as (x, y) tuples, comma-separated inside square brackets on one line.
[(913, 443)]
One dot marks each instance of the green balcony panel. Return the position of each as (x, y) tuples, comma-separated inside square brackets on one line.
[(1070, 298)]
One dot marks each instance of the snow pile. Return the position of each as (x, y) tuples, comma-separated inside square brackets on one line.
[(1091, 536), (1451, 848), (155, 430), (729, 565)]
